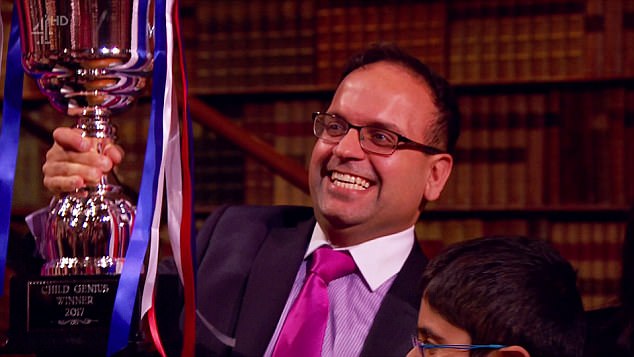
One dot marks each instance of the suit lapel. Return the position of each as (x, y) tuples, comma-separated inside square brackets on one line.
[(396, 319), (270, 282)]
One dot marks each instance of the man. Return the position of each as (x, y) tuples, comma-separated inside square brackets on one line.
[(500, 296), (383, 152)]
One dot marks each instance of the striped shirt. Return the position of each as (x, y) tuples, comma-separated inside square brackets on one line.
[(356, 298)]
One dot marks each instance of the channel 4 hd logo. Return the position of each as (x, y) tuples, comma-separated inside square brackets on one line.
[(40, 29)]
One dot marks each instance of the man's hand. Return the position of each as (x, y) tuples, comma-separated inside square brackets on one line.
[(73, 161)]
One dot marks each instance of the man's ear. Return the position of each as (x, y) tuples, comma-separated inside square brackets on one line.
[(438, 175), (512, 351)]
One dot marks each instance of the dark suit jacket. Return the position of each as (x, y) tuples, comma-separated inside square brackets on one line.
[(608, 333), (248, 258)]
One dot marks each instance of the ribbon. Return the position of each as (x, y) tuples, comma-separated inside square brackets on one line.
[(187, 233), (9, 137), (147, 203), (180, 207), (171, 175)]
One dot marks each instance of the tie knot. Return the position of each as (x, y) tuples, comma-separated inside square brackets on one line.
[(331, 264)]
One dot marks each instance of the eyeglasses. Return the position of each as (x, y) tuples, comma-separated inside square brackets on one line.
[(332, 128), (430, 349)]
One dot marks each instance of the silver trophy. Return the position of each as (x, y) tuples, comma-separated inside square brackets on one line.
[(91, 58)]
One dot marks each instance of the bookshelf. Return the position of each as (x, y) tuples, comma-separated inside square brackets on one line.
[(546, 88)]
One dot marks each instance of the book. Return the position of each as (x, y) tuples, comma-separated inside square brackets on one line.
[(430, 237), (339, 45), (628, 37), (499, 147), (481, 173), (506, 38), (518, 186), (307, 53), (523, 34), (613, 36), (389, 23), (552, 155), (258, 180), (238, 64), (573, 67), (286, 54), (480, 51), (629, 145), (594, 46), (508, 226), (535, 149), (370, 25), (574, 147), (256, 43), (461, 178), (557, 43), (434, 41), (599, 149), (324, 44), (540, 22), (457, 40)]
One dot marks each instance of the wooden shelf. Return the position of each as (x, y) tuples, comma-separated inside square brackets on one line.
[(461, 88)]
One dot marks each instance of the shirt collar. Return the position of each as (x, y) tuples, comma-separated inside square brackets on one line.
[(377, 259)]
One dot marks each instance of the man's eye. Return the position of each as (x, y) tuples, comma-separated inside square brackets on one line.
[(382, 138), (335, 128)]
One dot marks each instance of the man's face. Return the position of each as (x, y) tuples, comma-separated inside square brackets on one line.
[(358, 195), (434, 329)]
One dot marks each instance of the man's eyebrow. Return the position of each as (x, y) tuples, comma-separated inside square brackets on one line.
[(429, 334), (375, 123)]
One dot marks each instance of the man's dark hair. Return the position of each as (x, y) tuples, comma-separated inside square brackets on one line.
[(509, 290), (447, 128)]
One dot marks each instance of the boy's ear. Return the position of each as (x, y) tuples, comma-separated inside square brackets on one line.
[(512, 351)]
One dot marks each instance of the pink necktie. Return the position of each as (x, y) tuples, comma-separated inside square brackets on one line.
[(303, 331)]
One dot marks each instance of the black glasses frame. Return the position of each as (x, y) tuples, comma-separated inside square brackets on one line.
[(422, 346), (401, 143)]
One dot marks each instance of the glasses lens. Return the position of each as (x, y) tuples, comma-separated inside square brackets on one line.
[(378, 140), (330, 128)]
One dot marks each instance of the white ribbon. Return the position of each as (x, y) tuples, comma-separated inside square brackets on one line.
[(170, 174)]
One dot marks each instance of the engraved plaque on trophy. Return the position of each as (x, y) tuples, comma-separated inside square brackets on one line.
[(91, 59)]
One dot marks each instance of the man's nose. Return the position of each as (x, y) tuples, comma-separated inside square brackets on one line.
[(350, 145)]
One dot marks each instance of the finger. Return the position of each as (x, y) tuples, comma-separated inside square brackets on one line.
[(57, 155), (72, 139), (88, 174), (114, 152), (60, 184)]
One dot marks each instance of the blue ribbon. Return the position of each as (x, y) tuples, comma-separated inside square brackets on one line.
[(9, 137), (133, 266)]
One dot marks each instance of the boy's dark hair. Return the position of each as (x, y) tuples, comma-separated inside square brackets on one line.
[(511, 291), (445, 132)]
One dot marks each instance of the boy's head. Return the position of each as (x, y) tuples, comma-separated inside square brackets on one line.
[(514, 296)]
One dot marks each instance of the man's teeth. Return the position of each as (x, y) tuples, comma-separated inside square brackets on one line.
[(349, 181)]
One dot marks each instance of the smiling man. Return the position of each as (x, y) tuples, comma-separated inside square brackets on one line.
[(374, 180), (383, 150), (500, 297)]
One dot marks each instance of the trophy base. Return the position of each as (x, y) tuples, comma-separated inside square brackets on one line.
[(64, 315)]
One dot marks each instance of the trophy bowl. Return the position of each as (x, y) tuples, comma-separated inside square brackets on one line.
[(91, 59)]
